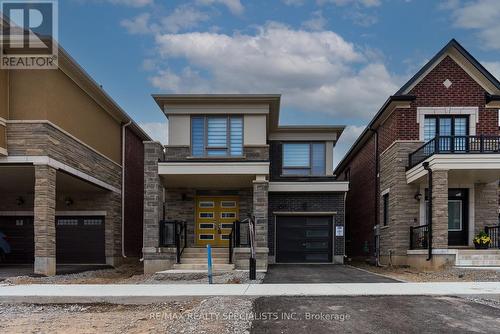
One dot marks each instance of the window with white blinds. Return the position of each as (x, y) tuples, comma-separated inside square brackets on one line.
[(216, 136), (304, 159)]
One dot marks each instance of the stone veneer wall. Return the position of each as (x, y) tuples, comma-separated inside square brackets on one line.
[(439, 209), (486, 205), (43, 139), (44, 224), (403, 208)]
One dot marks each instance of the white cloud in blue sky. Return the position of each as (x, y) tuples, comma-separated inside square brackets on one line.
[(333, 61)]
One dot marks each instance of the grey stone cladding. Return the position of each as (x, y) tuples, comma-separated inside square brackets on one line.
[(43, 139), (403, 208)]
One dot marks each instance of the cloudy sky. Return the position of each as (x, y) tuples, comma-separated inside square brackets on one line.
[(333, 61)]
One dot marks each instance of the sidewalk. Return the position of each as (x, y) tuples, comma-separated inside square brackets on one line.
[(141, 293)]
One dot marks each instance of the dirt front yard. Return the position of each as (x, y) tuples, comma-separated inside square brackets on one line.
[(210, 315), (451, 274), (132, 274)]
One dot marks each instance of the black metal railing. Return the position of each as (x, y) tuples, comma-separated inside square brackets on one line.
[(238, 237), (419, 237), (454, 144), (494, 233), (173, 233)]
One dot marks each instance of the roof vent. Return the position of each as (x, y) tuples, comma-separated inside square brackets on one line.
[(447, 83)]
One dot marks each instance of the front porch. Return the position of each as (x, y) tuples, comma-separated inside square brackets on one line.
[(192, 204), (457, 183)]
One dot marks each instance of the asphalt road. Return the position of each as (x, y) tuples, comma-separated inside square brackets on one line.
[(380, 314), (320, 273)]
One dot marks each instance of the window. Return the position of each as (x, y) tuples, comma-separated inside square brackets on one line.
[(216, 136), (304, 159), (446, 127), (386, 209)]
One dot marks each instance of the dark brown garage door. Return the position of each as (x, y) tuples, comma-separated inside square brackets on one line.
[(80, 240), (301, 239), (19, 232)]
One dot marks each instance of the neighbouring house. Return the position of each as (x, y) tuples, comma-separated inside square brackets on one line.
[(424, 174), (71, 170), (228, 158)]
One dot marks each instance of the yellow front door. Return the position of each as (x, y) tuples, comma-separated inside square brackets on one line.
[(215, 216)]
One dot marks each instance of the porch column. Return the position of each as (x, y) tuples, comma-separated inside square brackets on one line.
[(260, 200), (439, 209), (45, 214), (153, 209)]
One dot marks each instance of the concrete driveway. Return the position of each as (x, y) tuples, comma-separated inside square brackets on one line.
[(320, 273), (375, 314)]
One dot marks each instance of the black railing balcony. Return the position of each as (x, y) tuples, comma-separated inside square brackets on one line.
[(419, 237), (454, 145), (494, 233)]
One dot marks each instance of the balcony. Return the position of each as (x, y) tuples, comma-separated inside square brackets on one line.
[(455, 144), (468, 158)]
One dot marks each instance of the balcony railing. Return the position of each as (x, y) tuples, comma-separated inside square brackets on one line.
[(173, 233), (494, 234), (455, 145), (419, 237)]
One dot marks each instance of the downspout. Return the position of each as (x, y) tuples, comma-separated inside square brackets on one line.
[(123, 187), (429, 214), (375, 199)]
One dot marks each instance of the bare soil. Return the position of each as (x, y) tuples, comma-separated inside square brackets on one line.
[(189, 316), (445, 275)]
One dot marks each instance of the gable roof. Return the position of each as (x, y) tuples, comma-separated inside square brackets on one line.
[(401, 96), (453, 43)]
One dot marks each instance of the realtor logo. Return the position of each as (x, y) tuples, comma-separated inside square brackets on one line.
[(29, 34)]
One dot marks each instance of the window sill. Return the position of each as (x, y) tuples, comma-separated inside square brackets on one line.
[(217, 158)]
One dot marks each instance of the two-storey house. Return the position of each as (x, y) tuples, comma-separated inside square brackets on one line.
[(227, 159), (424, 174)]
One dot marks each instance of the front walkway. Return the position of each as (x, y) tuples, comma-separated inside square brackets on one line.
[(143, 293), (321, 273)]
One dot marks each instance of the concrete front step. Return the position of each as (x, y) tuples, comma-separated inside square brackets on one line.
[(478, 258), (199, 250), (203, 260), (194, 266)]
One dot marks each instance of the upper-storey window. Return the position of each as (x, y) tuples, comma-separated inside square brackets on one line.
[(304, 159), (216, 136), (451, 130)]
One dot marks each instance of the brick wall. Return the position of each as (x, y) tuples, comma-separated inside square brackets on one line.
[(306, 202), (360, 202), (134, 193)]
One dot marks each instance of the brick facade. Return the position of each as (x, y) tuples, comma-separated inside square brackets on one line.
[(398, 135)]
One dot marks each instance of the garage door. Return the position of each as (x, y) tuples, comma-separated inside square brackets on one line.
[(19, 232), (302, 239), (80, 240)]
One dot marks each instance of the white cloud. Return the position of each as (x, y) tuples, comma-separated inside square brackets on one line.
[(234, 6), (316, 22), (493, 67), (157, 131), (137, 25), (348, 137), (482, 16), (315, 71), (365, 3), (183, 17)]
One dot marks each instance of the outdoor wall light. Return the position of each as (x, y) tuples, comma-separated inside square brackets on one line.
[(418, 196), (68, 201), (20, 201)]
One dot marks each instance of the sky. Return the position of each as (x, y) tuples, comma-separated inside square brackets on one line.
[(334, 61)]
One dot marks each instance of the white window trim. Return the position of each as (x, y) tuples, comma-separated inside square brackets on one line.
[(472, 112)]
